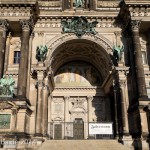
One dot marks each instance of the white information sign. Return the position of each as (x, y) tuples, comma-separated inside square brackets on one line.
[(100, 128)]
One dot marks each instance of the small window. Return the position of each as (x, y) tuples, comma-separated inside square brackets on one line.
[(16, 57), (144, 58)]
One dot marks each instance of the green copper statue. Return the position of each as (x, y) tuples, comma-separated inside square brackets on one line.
[(117, 52), (79, 26), (79, 3), (7, 86), (41, 53)]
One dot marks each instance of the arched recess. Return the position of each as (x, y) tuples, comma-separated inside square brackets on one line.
[(94, 49)]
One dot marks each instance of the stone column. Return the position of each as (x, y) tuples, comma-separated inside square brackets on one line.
[(124, 107), (66, 100), (29, 65), (71, 4), (89, 106), (116, 107), (3, 29), (39, 115), (140, 76), (45, 108), (23, 66), (7, 52)]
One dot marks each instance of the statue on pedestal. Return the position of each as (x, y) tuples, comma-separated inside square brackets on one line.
[(118, 52), (7, 86), (41, 53)]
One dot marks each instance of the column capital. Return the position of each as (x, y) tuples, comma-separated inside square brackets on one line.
[(67, 97), (4, 24), (40, 83), (135, 24), (89, 98), (122, 83), (117, 33), (26, 25)]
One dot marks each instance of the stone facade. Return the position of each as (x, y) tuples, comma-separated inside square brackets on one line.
[(101, 76)]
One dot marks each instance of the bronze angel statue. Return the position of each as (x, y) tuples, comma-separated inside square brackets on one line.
[(118, 52), (41, 53), (7, 86)]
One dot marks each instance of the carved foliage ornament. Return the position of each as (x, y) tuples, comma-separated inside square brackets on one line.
[(79, 26)]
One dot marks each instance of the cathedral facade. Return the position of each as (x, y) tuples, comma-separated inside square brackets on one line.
[(67, 66)]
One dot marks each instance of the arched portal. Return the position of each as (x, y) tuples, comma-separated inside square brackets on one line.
[(80, 68)]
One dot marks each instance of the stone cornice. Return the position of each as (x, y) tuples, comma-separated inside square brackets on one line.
[(18, 2), (137, 2)]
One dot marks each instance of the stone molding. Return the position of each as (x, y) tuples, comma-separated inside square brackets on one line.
[(55, 22), (15, 11), (139, 10)]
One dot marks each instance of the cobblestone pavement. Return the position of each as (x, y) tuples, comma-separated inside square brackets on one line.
[(83, 145)]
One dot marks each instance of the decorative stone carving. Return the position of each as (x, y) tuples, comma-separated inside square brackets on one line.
[(135, 24), (105, 3), (26, 24), (122, 83), (79, 26), (4, 24), (7, 86)]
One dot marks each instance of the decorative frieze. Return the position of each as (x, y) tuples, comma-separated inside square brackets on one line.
[(106, 3), (139, 10), (15, 11)]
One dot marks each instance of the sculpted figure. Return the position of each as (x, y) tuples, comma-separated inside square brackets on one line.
[(7, 86), (41, 52), (79, 3), (117, 52)]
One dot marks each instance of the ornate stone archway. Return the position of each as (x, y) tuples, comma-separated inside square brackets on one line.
[(95, 50), (68, 47)]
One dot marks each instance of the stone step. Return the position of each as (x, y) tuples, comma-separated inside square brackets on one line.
[(83, 145)]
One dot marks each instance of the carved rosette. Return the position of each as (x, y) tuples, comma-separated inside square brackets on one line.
[(4, 24), (135, 24)]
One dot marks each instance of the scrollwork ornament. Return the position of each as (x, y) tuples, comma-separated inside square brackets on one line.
[(135, 24)]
